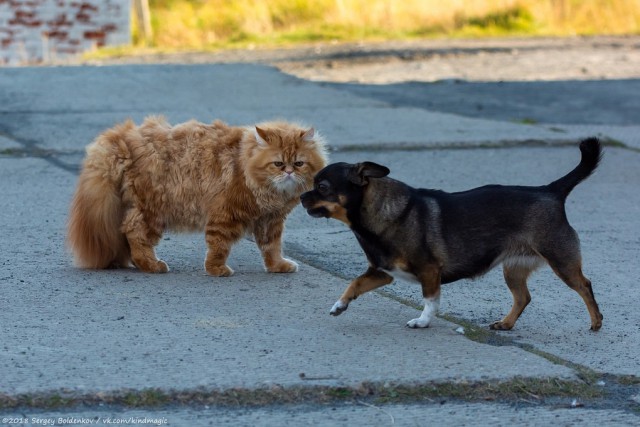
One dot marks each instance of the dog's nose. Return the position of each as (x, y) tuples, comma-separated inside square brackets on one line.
[(305, 196)]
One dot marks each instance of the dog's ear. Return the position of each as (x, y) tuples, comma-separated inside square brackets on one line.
[(361, 172)]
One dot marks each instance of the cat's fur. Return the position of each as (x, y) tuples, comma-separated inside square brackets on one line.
[(138, 181)]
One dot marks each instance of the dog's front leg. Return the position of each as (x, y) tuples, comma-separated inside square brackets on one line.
[(430, 281), (370, 280)]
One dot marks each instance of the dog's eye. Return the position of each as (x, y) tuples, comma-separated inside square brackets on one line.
[(278, 164), (323, 188), (298, 164)]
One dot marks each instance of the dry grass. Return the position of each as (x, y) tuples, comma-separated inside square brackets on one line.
[(215, 23)]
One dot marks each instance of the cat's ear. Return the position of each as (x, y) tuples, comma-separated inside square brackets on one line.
[(307, 135), (261, 137)]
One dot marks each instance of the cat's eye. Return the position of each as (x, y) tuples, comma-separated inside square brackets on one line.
[(298, 164), (278, 164)]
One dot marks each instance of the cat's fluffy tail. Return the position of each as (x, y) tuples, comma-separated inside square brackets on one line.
[(96, 212)]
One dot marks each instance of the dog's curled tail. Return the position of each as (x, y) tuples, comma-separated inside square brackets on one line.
[(95, 216), (591, 155)]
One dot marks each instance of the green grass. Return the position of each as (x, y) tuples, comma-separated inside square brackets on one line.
[(514, 21)]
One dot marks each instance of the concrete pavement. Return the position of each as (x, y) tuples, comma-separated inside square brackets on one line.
[(94, 335)]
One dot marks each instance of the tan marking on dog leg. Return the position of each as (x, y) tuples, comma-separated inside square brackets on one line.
[(516, 278), (370, 280), (430, 280), (571, 274)]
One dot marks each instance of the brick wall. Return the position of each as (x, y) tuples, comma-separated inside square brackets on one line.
[(45, 31)]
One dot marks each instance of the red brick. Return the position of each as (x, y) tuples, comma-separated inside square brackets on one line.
[(71, 26)]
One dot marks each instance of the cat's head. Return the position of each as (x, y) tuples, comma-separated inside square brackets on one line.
[(283, 156)]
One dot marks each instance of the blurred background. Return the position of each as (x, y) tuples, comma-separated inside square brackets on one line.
[(204, 24), (45, 31)]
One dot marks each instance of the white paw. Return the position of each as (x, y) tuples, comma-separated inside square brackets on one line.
[(294, 265), (419, 323), (430, 309), (338, 308)]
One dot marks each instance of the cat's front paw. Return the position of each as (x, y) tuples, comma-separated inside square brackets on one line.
[(219, 270), (283, 266), (152, 266), (162, 267)]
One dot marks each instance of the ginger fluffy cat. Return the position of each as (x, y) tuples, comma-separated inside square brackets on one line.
[(138, 181)]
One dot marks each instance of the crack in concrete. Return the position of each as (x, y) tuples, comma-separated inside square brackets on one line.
[(30, 149), (475, 145)]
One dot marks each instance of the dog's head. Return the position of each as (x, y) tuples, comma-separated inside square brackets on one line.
[(338, 188)]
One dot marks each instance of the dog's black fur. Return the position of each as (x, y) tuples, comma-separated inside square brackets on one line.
[(436, 237)]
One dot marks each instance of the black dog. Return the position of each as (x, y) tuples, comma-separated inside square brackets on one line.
[(434, 237)]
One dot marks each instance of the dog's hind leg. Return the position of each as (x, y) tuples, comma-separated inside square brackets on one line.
[(566, 262), (571, 274), (369, 281), (516, 277)]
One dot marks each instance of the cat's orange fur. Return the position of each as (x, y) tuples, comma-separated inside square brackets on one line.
[(138, 181)]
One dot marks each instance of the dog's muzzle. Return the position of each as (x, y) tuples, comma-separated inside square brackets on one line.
[(309, 202)]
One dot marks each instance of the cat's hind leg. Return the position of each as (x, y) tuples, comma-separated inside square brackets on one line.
[(142, 238), (220, 235)]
